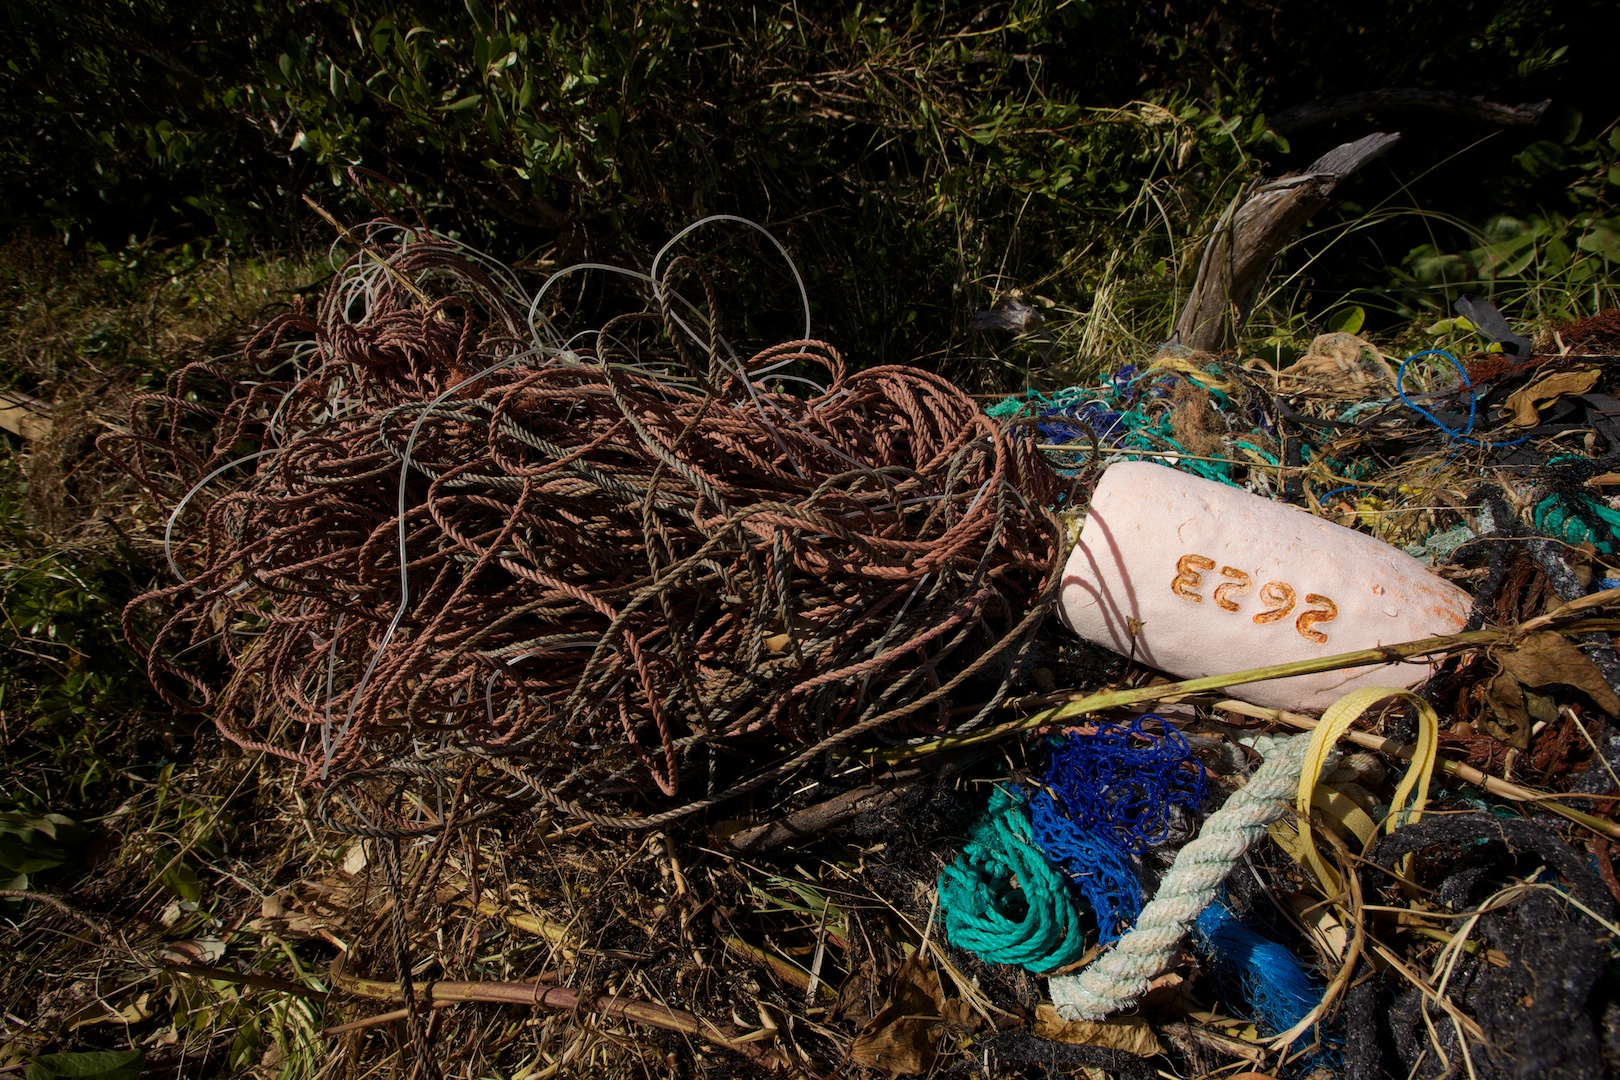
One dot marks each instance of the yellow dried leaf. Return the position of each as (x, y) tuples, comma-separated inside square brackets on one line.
[(1524, 405), (1131, 1034)]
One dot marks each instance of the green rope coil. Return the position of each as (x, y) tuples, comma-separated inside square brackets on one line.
[(1003, 902)]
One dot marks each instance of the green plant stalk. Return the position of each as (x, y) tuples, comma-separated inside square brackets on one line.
[(1111, 699), (1461, 770)]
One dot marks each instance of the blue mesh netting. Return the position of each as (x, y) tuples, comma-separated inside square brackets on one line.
[(1094, 865), (1122, 782), (1104, 797), (1270, 978)]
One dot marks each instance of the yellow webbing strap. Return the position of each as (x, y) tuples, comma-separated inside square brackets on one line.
[(1414, 786)]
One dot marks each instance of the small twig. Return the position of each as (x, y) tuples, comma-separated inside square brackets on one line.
[(380, 1019), (562, 998), (262, 982), (1456, 1014), (1461, 771), (1597, 755), (781, 967), (1084, 704), (825, 815), (1184, 1032), (60, 905), (343, 231)]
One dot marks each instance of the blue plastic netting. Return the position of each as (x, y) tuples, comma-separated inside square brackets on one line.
[(1124, 782)]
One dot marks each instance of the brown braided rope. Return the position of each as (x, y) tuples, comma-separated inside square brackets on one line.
[(621, 559)]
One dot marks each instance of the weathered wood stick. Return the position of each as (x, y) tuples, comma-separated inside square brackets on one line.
[(1449, 102), (824, 815), (563, 998), (1248, 236)]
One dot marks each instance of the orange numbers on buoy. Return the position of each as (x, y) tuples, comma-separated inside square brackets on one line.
[(1237, 583), (1278, 597), (1190, 575), (1325, 611)]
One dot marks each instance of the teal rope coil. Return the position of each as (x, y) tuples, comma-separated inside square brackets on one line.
[(1571, 518), (1003, 902)]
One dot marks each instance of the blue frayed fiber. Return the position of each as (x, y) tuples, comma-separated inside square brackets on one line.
[(1094, 864), (1271, 978), (1122, 782), (1002, 902)]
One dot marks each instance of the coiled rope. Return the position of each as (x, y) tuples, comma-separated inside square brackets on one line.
[(1118, 978), (616, 562), (1002, 901)]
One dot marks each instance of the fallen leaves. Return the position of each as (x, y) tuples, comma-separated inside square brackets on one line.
[(1541, 659), (1131, 1034), (905, 1037), (1524, 405)]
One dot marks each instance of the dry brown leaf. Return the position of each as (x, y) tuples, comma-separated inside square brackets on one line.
[(1326, 932), (1545, 658), (203, 950), (903, 1039), (1523, 406), (355, 860), (1509, 721), (1131, 1034), (1164, 994)]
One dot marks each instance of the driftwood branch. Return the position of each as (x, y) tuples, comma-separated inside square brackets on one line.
[(567, 999), (825, 815), (1448, 102), (24, 415), (1251, 231)]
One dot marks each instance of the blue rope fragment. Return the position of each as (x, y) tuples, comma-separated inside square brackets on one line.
[(1271, 979), (1465, 434)]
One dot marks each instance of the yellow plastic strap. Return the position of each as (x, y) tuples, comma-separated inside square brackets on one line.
[(1339, 807), (1344, 810), (1414, 786)]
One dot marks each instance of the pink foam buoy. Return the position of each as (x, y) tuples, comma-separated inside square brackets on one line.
[(1196, 578)]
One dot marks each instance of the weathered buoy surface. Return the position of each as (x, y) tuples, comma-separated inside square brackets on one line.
[(1196, 578)]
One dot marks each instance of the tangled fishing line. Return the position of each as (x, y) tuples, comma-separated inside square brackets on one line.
[(434, 526)]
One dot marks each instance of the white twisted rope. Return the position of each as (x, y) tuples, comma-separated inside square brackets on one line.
[(1118, 978)]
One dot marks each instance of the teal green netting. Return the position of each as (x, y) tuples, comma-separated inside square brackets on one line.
[(1577, 519), (1130, 410)]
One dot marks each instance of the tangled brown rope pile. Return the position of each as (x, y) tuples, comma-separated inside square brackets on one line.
[(620, 560)]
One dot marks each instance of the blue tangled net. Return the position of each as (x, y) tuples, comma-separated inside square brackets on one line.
[(1108, 796), (1122, 782)]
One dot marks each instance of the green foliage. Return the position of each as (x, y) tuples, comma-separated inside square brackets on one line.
[(70, 678), (88, 1065), (919, 158), (1559, 261), (29, 845), (1348, 320)]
